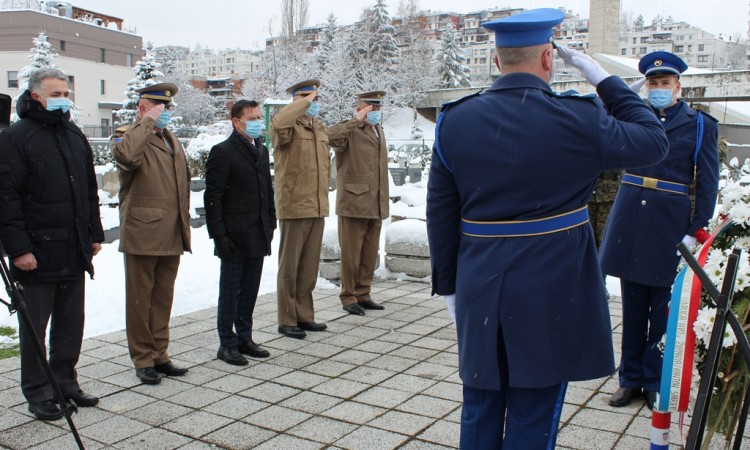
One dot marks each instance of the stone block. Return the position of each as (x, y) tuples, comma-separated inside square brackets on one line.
[(414, 267), (407, 249)]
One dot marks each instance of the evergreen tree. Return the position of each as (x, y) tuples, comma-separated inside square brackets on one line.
[(169, 59), (383, 47), (41, 57), (146, 73), (323, 53), (451, 71), (338, 83), (638, 25)]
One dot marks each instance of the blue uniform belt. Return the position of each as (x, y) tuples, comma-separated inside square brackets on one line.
[(655, 183), (520, 228)]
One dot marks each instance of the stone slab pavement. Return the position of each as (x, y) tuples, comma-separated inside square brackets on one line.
[(386, 380)]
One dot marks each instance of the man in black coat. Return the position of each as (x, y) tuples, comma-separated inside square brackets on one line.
[(241, 217), (50, 228)]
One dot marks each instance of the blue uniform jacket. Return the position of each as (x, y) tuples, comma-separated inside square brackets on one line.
[(517, 152), (645, 225)]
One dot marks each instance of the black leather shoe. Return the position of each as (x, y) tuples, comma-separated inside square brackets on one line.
[(170, 369), (623, 397), (252, 349), (83, 399), (355, 309), (231, 355), (45, 410), (312, 326), (148, 375), (292, 332), (371, 304), (650, 399)]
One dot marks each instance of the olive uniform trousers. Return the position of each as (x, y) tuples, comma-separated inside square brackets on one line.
[(299, 260), (359, 240)]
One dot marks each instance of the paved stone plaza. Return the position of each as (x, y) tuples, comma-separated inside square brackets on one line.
[(383, 381)]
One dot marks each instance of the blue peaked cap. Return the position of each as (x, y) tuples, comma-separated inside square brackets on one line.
[(533, 27), (661, 63)]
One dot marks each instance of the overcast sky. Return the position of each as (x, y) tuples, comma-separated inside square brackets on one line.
[(244, 24)]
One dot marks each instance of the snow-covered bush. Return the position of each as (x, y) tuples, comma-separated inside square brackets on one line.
[(199, 147)]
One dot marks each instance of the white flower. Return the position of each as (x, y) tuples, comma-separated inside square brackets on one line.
[(704, 324)]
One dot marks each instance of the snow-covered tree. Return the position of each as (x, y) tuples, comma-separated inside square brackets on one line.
[(146, 73), (282, 66), (383, 48), (41, 57), (638, 24), (169, 59), (193, 107), (338, 83), (451, 71), (324, 50)]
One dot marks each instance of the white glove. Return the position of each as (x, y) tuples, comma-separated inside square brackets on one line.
[(689, 242), (450, 302), (591, 69), (636, 87)]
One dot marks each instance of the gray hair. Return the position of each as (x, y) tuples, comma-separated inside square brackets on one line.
[(36, 77)]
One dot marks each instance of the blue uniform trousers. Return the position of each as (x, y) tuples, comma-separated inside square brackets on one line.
[(239, 282), (644, 322)]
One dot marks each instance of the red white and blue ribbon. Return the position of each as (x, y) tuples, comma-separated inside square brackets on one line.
[(660, 430), (679, 348)]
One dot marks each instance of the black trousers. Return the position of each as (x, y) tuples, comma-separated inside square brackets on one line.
[(63, 301), (239, 282)]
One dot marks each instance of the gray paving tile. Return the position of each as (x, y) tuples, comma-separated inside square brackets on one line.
[(200, 375), (270, 392), (89, 416), (602, 420), (236, 407), (401, 422), (368, 375), (158, 413), (416, 444), (377, 346), (429, 406), (572, 436), (322, 429), (115, 336), (340, 388), (447, 391), (330, 368), (199, 355), (114, 429), (167, 388), (239, 435), (412, 352), (286, 442), (125, 379), (431, 371), (408, 383), (232, 383), (389, 362), (265, 371), (354, 412), (11, 397), (301, 380), (277, 418), (294, 361), (383, 397), (107, 351), (197, 424), (31, 433), (368, 332), (442, 432), (124, 401), (366, 438), (68, 442), (198, 397), (154, 439), (311, 402), (322, 350)]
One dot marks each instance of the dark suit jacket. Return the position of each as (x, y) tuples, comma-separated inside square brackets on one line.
[(239, 195)]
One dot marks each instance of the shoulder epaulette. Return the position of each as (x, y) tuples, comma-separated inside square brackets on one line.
[(451, 103), (572, 93), (119, 131)]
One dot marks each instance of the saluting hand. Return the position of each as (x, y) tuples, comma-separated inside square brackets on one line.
[(362, 113), (636, 87), (591, 69), (155, 112)]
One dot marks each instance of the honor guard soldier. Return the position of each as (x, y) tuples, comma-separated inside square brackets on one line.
[(154, 228), (361, 198), (651, 215), (513, 253), (302, 167)]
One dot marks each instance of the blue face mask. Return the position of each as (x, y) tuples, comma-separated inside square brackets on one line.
[(373, 117), (58, 103), (163, 119), (660, 98), (253, 128), (313, 110)]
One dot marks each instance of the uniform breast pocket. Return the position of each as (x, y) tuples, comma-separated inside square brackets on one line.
[(147, 215)]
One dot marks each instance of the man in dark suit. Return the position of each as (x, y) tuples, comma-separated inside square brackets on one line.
[(241, 217), (514, 255)]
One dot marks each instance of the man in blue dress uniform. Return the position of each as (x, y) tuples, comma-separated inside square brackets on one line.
[(651, 215), (514, 254)]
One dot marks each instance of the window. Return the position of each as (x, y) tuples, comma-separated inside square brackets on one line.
[(690, 48), (102, 55), (701, 47), (130, 60), (62, 46), (702, 58), (680, 37), (679, 49), (644, 40), (12, 79), (635, 40), (643, 50), (102, 87), (624, 52), (632, 52)]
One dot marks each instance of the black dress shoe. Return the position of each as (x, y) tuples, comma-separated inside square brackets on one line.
[(148, 375), (371, 304), (650, 399), (252, 349), (355, 309), (231, 355), (623, 397), (45, 410), (170, 369), (83, 399), (292, 332), (312, 326)]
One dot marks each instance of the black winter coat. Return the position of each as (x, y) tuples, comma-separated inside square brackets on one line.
[(49, 203), (239, 195)]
